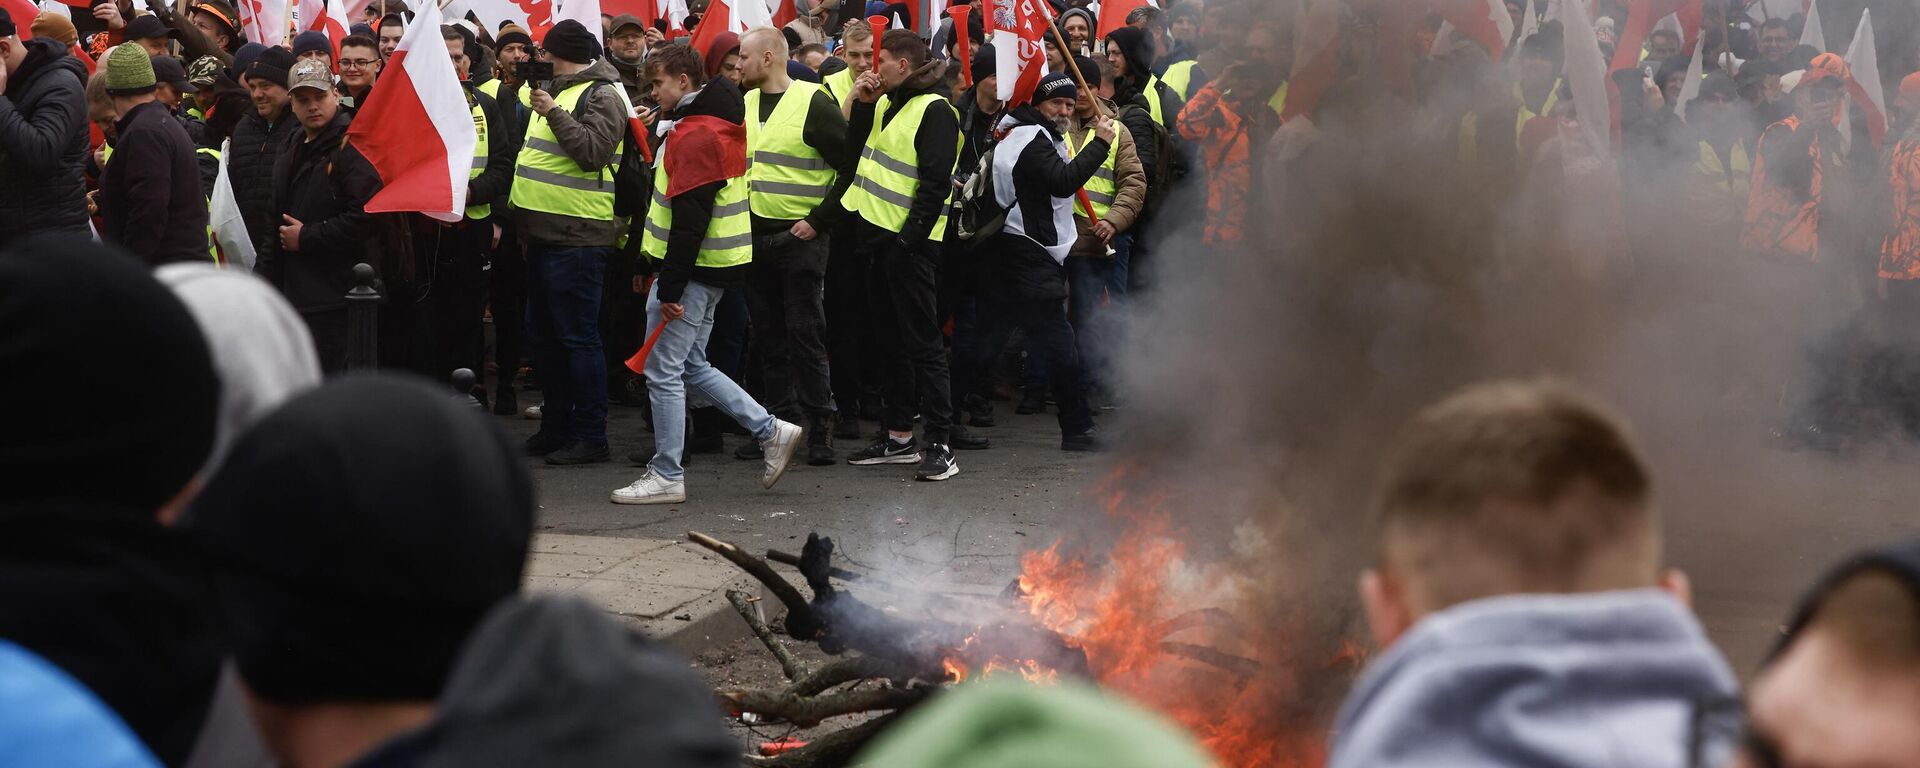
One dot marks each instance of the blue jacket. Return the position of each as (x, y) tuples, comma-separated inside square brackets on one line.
[(1545, 681), (47, 718)]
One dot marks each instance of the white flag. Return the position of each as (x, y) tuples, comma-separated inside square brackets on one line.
[(229, 228)]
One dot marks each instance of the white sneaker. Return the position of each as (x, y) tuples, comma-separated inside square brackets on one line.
[(779, 450), (533, 411), (651, 488)]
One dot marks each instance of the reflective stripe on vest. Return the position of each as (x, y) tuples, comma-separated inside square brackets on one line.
[(888, 176), (545, 179), (1179, 77), (729, 238), (1102, 187), (480, 154), (786, 177)]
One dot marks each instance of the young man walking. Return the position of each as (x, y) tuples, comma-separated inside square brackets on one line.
[(700, 231)]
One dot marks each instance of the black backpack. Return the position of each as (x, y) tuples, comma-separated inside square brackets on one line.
[(632, 180), (1167, 167)]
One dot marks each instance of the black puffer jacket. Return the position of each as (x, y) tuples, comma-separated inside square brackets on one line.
[(250, 162), (43, 143), (325, 186)]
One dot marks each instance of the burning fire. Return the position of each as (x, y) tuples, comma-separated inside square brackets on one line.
[(1151, 626)]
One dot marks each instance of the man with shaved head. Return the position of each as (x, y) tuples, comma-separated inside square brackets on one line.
[(797, 140)]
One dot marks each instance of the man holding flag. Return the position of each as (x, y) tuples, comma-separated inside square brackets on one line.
[(563, 193)]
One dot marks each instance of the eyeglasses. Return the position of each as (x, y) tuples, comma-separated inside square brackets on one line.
[(357, 63)]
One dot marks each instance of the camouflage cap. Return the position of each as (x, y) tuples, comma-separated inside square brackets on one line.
[(203, 71)]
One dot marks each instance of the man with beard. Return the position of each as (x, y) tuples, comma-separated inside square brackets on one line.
[(1023, 283)]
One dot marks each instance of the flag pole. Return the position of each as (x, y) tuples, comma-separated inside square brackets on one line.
[(1074, 66)]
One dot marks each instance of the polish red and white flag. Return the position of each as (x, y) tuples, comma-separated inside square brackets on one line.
[(416, 128), (1015, 27), (263, 21)]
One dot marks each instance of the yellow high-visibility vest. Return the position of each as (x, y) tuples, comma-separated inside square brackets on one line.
[(480, 155), (729, 238), (888, 176), (545, 179), (1179, 77), (1104, 184), (786, 177)]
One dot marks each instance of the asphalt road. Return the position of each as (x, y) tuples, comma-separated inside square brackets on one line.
[(969, 529)]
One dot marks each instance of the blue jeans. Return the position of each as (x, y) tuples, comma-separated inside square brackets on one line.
[(563, 332), (1095, 325), (677, 364)]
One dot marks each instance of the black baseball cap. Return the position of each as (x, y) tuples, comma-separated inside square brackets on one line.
[(169, 70), (143, 27)]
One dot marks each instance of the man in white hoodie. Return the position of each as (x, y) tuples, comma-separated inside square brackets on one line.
[(1519, 603)]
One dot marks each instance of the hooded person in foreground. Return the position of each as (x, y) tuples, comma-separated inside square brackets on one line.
[(1519, 602), (401, 520), (1843, 688), (90, 579)]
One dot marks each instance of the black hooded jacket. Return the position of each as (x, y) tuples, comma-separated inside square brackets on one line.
[(325, 185), (693, 209), (554, 682), (937, 144), (1137, 47), (1020, 268), (43, 143)]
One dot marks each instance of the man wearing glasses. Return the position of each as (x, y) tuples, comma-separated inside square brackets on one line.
[(359, 67)]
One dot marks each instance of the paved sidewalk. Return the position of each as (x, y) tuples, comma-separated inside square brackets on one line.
[(674, 591)]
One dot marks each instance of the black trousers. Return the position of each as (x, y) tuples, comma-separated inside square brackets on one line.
[(507, 296), (457, 304), (622, 315), (1044, 321), (903, 287), (852, 333), (785, 296)]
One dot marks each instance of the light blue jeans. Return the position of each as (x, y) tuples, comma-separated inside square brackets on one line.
[(677, 370)]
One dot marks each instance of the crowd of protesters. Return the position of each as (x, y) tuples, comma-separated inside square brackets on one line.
[(798, 243)]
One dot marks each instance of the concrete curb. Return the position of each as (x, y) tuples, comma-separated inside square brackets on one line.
[(673, 591)]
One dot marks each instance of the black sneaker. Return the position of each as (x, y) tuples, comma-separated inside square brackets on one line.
[(936, 463), (979, 411), (543, 443), (885, 451), (962, 440), (580, 452), (1088, 441), (749, 452), (1034, 401)]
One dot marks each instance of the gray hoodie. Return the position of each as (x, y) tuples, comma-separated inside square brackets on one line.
[(1545, 681)]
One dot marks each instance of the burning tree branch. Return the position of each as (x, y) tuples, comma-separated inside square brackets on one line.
[(789, 665), (801, 623), (849, 669)]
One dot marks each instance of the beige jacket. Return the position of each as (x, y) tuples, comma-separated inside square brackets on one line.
[(1130, 194)]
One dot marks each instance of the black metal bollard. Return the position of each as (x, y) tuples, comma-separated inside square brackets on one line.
[(363, 333), (463, 381)]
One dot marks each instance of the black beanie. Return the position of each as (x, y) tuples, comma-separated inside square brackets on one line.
[(115, 374), (360, 533), (571, 41), (510, 38), (271, 66), (985, 64), (1088, 70)]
